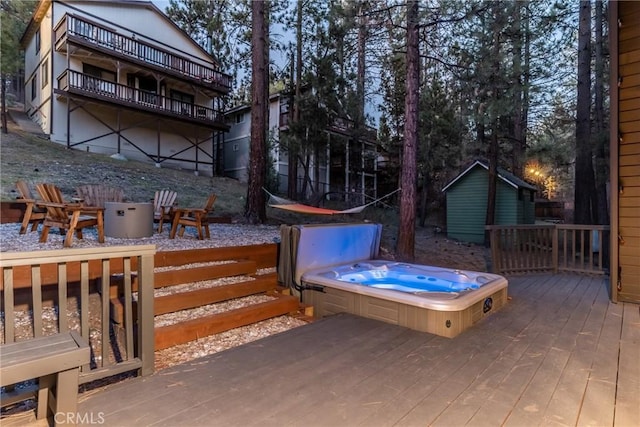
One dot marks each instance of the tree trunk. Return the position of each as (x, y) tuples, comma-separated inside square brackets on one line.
[(492, 181), (3, 103), (406, 229), (292, 167), (519, 128), (255, 209), (495, 126), (362, 43), (602, 140), (584, 175), (423, 200)]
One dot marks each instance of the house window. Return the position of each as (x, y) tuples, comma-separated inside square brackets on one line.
[(236, 147), (44, 71), (34, 87), (181, 102), (37, 42), (98, 79), (240, 118), (148, 90)]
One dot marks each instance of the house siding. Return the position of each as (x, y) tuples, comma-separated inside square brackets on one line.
[(628, 159), (106, 129), (39, 107)]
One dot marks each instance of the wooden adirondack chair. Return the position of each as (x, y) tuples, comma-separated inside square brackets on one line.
[(33, 213), (72, 217), (163, 204), (98, 194), (193, 217)]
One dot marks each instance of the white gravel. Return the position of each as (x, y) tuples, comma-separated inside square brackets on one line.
[(221, 235)]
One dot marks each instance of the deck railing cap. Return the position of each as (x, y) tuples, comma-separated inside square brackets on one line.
[(10, 259)]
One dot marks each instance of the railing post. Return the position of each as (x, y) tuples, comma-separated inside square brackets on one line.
[(146, 341), (554, 249), (495, 249)]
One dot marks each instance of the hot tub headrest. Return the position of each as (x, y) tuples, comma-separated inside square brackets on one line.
[(324, 245)]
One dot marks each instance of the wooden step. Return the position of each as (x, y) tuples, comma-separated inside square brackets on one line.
[(263, 254), (168, 336), (199, 297), (197, 274), (163, 279)]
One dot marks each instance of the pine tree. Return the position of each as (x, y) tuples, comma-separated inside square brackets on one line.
[(14, 17), (405, 248), (255, 211), (585, 205)]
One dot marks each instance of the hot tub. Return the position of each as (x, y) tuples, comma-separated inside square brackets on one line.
[(334, 276)]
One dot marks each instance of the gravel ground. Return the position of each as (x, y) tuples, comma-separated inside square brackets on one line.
[(222, 235)]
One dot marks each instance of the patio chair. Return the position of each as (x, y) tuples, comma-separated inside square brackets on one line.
[(193, 217), (163, 204), (98, 194), (69, 217), (33, 214)]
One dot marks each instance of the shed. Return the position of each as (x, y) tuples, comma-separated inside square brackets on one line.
[(467, 202)]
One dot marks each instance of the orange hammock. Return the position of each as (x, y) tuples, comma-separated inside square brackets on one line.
[(289, 205)]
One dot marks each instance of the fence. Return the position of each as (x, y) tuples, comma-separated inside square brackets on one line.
[(549, 248), (69, 290)]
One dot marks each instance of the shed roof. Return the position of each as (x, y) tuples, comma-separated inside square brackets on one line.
[(503, 174)]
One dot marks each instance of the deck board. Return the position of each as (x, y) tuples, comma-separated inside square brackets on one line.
[(559, 353), (512, 369)]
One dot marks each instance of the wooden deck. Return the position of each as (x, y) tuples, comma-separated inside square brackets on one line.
[(558, 354)]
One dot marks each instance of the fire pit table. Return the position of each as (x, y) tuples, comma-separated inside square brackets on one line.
[(128, 220)]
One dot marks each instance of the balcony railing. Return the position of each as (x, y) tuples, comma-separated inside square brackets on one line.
[(549, 248), (339, 125), (87, 33), (75, 82)]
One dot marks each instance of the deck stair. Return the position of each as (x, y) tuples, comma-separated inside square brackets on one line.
[(249, 266)]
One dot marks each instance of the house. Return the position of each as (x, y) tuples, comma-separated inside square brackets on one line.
[(467, 202), (342, 167), (624, 148), (120, 78)]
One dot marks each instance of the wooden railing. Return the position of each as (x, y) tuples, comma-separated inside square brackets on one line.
[(76, 282), (549, 248), (111, 91), (85, 32)]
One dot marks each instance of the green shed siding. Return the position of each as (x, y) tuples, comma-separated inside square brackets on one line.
[(506, 203), (467, 205)]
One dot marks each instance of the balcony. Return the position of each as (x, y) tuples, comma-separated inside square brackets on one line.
[(86, 34), (340, 126), (90, 87)]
